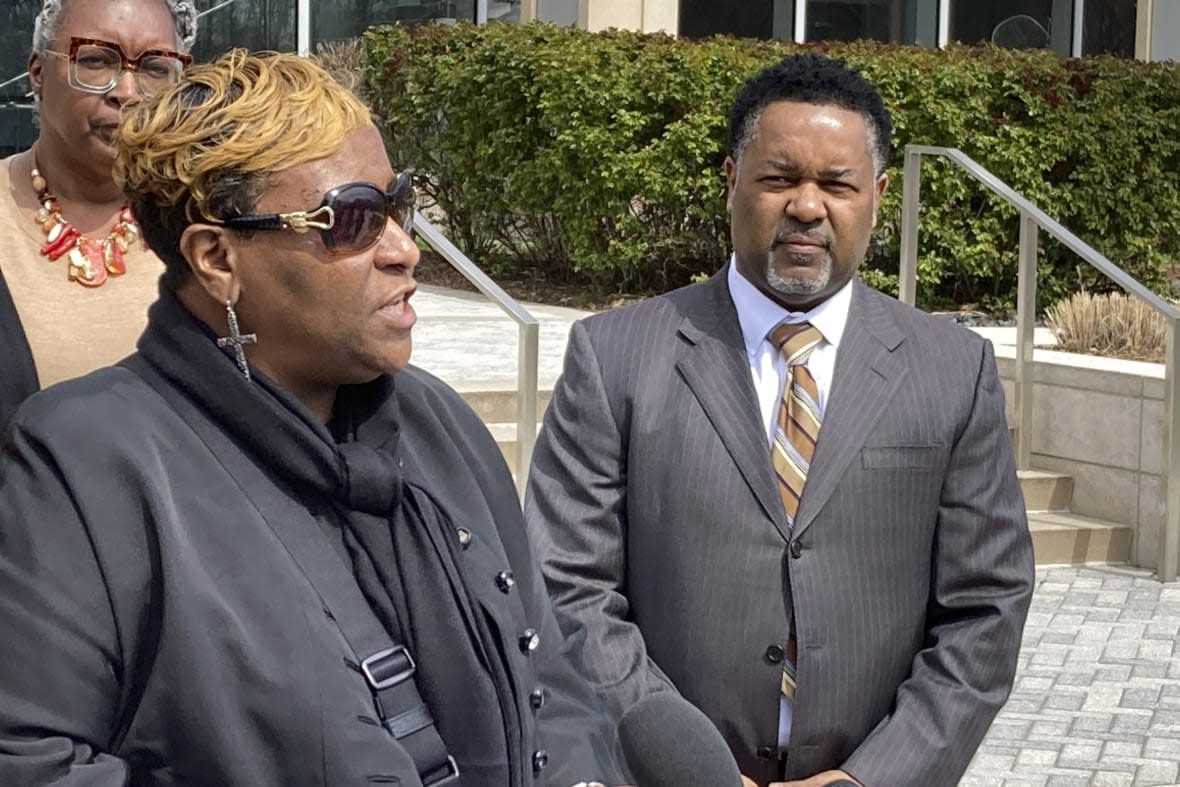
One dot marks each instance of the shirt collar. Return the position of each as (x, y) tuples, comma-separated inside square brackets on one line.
[(758, 314)]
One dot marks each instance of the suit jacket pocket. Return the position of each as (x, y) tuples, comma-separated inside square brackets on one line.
[(900, 457)]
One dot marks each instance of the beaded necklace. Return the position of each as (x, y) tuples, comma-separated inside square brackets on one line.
[(90, 261)]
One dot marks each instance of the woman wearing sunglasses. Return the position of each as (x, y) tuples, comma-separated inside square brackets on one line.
[(75, 278), (263, 550)]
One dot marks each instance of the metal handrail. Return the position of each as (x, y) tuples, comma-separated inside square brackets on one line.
[(1032, 220), (14, 80), (528, 342)]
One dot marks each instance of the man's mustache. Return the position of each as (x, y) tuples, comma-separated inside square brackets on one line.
[(801, 236)]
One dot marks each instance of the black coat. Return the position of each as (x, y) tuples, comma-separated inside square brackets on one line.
[(146, 589), (18, 375)]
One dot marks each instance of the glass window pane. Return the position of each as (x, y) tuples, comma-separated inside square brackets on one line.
[(1108, 27), (880, 20), (503, 10), (1019, 24), (251, 24), (333, 20), (750, 18), (16, 114)]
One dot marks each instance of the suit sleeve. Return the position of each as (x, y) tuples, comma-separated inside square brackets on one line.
[(982, 577), (59, 685), (575, 508)]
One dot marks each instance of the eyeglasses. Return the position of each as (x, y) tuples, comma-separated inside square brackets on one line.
[(350, 218), (96, 65)]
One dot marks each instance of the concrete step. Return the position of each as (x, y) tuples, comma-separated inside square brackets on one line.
[(1045, 491), (1064, 538), (505, 435), (498, 405)]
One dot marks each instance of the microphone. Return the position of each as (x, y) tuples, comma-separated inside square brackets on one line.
[(667, 742)]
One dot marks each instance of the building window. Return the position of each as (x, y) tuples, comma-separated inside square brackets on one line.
[(1015, 24), (1108, 27), (255, 25), (896, 21), (332, 20), (749, 19), (502, 11)]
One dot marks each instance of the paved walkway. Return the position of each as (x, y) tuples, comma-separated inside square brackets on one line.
[(466, 339), (1097, 698), (471, 344)]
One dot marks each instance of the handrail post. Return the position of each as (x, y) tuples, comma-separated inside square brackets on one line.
[(1026, 310), (1169, 539), (911, 190), (303, 27), (1032, 221), (528, 344)]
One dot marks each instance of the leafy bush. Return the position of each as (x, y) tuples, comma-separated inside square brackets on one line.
[(597, 157)]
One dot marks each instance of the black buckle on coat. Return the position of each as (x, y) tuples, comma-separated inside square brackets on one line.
[(388, 667), (448, 773)]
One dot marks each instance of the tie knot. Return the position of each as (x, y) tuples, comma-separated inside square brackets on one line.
[(796, 341)]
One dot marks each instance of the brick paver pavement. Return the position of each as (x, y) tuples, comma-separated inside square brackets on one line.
[(1097, 695)]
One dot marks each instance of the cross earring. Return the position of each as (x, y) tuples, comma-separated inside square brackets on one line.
[(236, 339)]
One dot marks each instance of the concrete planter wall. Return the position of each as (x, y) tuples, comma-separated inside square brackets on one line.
[(1100, 420)]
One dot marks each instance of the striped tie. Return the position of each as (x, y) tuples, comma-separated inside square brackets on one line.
[(799, 419)]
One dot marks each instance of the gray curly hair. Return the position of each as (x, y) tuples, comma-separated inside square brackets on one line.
[(184, 20)]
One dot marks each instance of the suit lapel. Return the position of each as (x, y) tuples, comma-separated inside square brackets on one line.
[(713, 364), (865, 379)]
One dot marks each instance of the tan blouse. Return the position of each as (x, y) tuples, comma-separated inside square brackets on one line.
[(71, 329)]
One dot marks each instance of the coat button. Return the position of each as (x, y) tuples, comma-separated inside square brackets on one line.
[(464, 537), (537, 698), (765, 753), (529, 640), (796, 548), (505, 581), (540, 760), (774, 654)]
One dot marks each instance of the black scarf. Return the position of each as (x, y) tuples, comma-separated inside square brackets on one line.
[(401, 543)]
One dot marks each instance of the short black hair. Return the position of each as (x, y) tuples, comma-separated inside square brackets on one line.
[(812, 79)]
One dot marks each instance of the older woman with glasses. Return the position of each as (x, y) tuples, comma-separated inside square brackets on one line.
[(75, 277), (263, 551)]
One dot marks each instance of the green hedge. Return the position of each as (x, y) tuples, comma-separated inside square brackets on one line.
[(597, 158)]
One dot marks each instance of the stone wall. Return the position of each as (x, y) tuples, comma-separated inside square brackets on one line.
[(1101, 421)]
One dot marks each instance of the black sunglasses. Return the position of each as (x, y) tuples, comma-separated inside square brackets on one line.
[(350, 218)]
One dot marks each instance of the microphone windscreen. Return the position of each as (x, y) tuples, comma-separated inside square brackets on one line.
[(667, 742)]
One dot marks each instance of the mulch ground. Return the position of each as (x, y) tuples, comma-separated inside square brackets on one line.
[(433, 269)]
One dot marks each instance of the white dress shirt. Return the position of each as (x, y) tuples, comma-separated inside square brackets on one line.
[(758, 315)]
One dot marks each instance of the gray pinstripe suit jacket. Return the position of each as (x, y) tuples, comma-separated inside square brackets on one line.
[(653, 507)]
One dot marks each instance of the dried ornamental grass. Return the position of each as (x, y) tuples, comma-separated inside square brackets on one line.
[(343, 60), (1112, 324)]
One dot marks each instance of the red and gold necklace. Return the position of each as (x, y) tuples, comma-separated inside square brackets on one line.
[(91, 261)]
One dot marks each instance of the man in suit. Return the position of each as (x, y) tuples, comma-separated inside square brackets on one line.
[(824, 547)]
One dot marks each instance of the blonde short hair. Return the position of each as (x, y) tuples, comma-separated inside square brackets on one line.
[(206, 148)]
